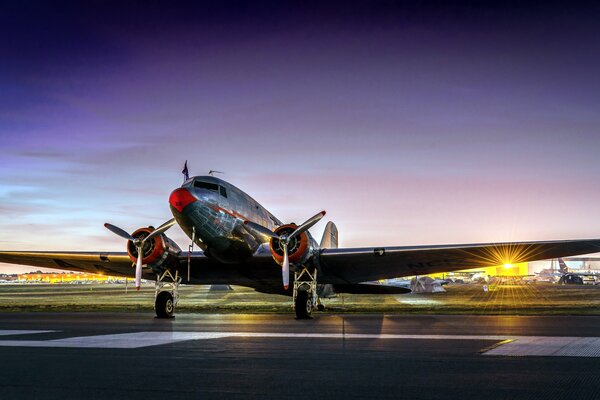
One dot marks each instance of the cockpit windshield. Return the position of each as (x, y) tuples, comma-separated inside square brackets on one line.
[(206, 185)]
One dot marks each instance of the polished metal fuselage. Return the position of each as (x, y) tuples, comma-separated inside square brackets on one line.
[(215, 221)]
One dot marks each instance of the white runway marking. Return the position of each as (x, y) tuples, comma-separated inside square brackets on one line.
[(513, 346), (549, 346), (117, 341), (145, 339), (20, 332)]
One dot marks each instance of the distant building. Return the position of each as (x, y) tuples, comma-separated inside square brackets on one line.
[(65, 277), (520, 269), (574, 264)]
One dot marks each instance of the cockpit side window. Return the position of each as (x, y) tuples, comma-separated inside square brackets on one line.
[(223, 191), (206, 185)]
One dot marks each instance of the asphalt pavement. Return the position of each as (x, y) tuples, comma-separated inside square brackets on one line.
[(202, 356)]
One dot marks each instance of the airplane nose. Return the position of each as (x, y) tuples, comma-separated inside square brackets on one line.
[(181, 198)]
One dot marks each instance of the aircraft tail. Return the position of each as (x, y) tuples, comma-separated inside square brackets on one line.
[(330, 237), (562, 266)]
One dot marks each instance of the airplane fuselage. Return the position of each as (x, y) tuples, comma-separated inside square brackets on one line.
[(212, 212)]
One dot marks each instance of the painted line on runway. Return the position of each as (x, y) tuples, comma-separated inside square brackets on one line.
[(509, 346), (549, 346), (145, 339), (9, 332), (119, 340)]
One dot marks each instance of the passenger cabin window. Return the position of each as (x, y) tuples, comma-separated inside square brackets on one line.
[(223, 191), (205, 185)]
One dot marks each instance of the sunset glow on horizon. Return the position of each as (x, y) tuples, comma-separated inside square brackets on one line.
[(408, 123)]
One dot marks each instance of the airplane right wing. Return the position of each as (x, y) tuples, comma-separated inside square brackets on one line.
[(342, 266)]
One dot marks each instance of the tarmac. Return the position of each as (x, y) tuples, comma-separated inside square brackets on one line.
[(253, 356)]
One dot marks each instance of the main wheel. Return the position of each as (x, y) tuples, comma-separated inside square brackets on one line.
[(303, 305), (164, 305)]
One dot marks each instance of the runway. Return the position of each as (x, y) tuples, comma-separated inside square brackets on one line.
[(126, 355)]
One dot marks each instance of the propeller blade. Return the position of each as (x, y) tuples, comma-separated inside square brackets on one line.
[(138, 269), (160, 229), (306, 225), (118, 231), (285, 268), (261, 229), (166, 225)]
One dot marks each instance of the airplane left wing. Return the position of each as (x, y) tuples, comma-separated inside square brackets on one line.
[(259, 272), (339, 266), (115, 264)]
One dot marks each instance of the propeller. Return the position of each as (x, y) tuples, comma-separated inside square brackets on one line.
[(139, 244), (119, 231), (285, 240)]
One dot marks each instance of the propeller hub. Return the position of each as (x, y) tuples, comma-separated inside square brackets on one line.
[(137, 244), (294, 244), (150, 249)]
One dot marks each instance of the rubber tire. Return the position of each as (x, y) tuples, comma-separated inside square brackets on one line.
[(303, 305), (163, 305)]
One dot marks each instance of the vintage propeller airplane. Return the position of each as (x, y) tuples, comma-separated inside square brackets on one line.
[(244, 244)]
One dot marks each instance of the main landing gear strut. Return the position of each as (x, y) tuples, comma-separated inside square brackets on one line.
[(166, 294), (305, 293)]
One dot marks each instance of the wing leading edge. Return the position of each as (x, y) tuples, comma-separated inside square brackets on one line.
[(339, 266), (259, 272)]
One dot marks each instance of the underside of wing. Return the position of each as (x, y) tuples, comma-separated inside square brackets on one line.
[(340, 266), (259, 272)]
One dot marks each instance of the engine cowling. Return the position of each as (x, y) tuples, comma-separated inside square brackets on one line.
[(159, 253), (298, 247)]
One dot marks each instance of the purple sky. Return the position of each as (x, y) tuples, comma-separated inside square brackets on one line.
[(410, 122)]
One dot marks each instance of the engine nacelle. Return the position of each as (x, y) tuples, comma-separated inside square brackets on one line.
[(160, 253), (298, 248)]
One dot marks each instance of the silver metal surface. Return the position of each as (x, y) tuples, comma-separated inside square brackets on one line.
[(306, 225), (261, 229), (119, 231), (160, 229)]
